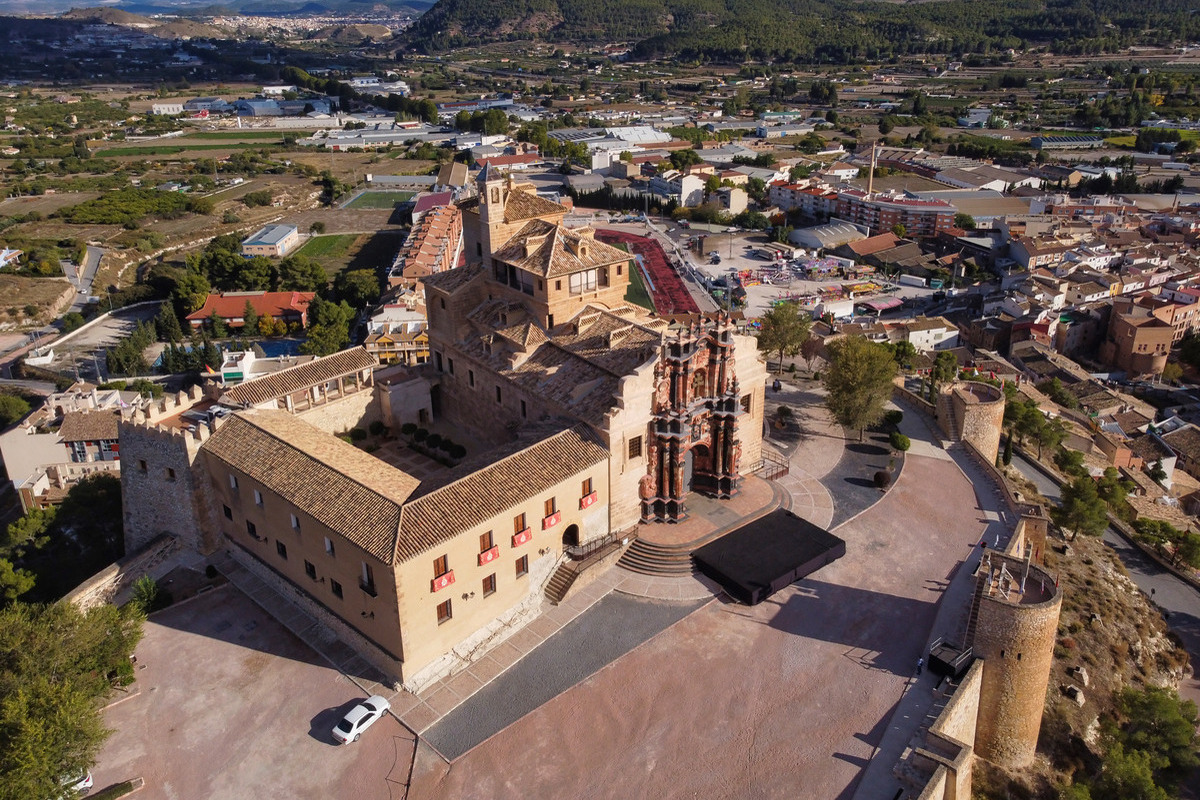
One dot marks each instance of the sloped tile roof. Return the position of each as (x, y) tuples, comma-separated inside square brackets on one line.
[(551, 250), (232, 305), (298, 378), (527, 205), (89, 426), (452, 279), (440, 515), (337, 484)]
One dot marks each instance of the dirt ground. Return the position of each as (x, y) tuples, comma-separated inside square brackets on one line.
[(785, 699)]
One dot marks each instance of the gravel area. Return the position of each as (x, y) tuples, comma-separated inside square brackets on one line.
[(601, 635)]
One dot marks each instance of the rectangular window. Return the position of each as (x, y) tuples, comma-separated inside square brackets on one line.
[(142, 465), (228, 512), (437, 360), (485, 542), (251, 529), (489, 585), (558, 286), (580, 282), (619, 269), (310, 569), (498, 395), (232, 481), (586, 488), (471, 377), (635, 447), (441, 565), (295, 523), (444, 612), (746, 403), (258, 501), (551, 506), (170, 475), (281, 548), (522, 566), (518, 523), (329, 547), (522, 409), (367, 581), (336, 588), (450, 365)]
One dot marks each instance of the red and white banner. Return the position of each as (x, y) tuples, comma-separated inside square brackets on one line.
[(522, 537), (552, 520), (587, 500), (441, 581), (490, 555)]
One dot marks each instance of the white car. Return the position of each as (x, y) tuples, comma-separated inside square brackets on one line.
[(359, 718)]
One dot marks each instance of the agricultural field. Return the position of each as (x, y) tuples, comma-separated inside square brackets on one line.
[(45, 204), (369, 199), (342, 252), (322, 248)]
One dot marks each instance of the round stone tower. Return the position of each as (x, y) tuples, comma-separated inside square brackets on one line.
[(1013, 622), (979, 415)]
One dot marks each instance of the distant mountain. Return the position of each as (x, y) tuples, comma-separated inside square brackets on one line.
[(811, 30), (209, 8)]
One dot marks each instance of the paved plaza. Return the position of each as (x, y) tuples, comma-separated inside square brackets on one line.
[(635, 686)]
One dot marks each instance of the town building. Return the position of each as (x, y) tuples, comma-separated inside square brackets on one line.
[(433, 245), (882, 212), (290, 308), (272, 241)]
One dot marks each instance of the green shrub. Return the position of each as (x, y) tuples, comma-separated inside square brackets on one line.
[(377, 428), (883, 479), (408, 428), (357, 434), (892, 418), (420, 435), (434, 441), (447, 445), (899, 441), (114, 791), (458, 451)]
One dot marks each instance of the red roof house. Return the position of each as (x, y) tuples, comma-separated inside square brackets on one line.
[(230, 306)]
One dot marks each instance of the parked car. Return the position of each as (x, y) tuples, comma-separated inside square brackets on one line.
[(359, 718)]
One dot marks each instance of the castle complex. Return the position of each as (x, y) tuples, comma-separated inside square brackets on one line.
[(583, 416)]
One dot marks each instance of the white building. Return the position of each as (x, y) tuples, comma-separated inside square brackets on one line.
[(174, 109)]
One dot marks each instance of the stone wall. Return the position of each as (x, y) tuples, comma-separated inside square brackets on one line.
[(357, 410), (163, 489), (102, 587), (364, 647), (940, 762)]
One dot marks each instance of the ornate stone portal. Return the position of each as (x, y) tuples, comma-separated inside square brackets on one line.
[(694, 443)]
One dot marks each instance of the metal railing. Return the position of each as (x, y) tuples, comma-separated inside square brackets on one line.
[(583, 551)]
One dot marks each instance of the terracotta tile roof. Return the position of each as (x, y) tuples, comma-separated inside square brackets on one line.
[(451, 280), (89, 426), (440, 515), (874, 244), (231, 305), (298, 378), (550, 250), (527, 205), (312, 470), (1185, 441)]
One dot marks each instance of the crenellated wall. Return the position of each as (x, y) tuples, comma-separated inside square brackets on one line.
[(163, 490)]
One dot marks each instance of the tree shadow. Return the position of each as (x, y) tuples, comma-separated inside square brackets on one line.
[(867, 449), (866, 483)]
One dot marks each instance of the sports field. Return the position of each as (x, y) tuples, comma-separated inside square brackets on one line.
[(379, 199)]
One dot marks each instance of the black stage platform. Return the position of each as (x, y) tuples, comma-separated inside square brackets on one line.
[(761, 557)]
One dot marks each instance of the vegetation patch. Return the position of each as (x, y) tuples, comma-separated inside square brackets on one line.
[(324, 248), (380, 199)]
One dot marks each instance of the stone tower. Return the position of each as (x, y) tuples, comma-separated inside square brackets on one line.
[(973, 412), (163, 489), (1013, 622)]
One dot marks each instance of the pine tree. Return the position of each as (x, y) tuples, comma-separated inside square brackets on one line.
[(249, 319), (167, 324)]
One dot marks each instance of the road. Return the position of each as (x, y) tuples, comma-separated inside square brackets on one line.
[(1179, 600)]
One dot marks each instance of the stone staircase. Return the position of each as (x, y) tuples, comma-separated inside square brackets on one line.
[(650, 558), (561, 582), (946, 415)]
